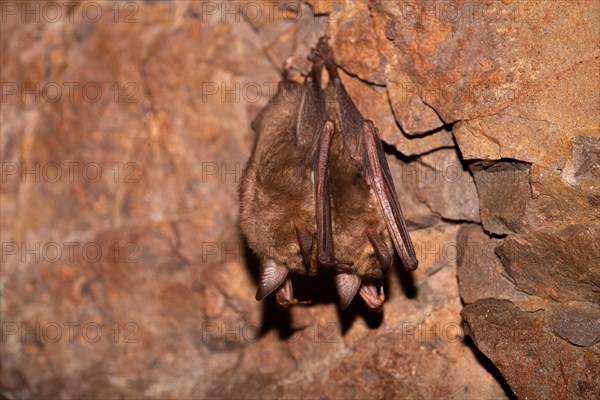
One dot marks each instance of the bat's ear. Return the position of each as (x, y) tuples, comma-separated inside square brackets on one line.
[(372, 297), (270, 278), (347, 285)]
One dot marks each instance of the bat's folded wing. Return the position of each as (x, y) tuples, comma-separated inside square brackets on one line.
[(380, 179)]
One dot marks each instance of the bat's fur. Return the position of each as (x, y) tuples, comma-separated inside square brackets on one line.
[(355, 206), (307, 136), (277, 189)]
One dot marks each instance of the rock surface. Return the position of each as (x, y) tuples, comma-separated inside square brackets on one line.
[(125, 128), (527, 355)]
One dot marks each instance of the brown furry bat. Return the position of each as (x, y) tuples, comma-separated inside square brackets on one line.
[(294, 218)]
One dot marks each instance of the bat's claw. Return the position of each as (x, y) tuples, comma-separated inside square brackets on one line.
[(321, 51)]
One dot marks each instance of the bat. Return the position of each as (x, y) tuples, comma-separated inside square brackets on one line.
[(362, 193), (285, 210), (291, 214)]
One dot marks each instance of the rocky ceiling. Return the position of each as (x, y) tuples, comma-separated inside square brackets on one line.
[(125, 129)]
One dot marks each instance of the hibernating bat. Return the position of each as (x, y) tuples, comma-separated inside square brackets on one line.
[(285, 199), (294, 219), (363, 192)]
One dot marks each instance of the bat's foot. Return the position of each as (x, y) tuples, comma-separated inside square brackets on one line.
[(323, 51), (324, 54)]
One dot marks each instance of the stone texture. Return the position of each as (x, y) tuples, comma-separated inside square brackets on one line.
[(362, 52), (518, 85), (517, 344), (406, 179), (504, 193), (480, 272), (571, 273), (564, 107), (517, 197), (356, 49), (414, 116), (546, 267), (583, 168), (578, 323), (447, 187), (515, 75), (135, 283), (148, 255), (373, 103)]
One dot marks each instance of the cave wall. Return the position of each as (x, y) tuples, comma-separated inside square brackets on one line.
[(125, 128)]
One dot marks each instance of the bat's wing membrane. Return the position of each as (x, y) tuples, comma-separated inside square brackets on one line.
[(323, 198), (314, 133), (380, 179), (361, 138)]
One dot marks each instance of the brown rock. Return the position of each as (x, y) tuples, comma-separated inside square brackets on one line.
[(556, 264), (356, 49), (460, 48), (583, 169), (517, 197), (520, 101), (372, 101), (157, 297), (557, 204), (504, 193), (579, 323), (535, 364), (447, 187), (406, 177), (480, 272), (413, 115), (564, 107)]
